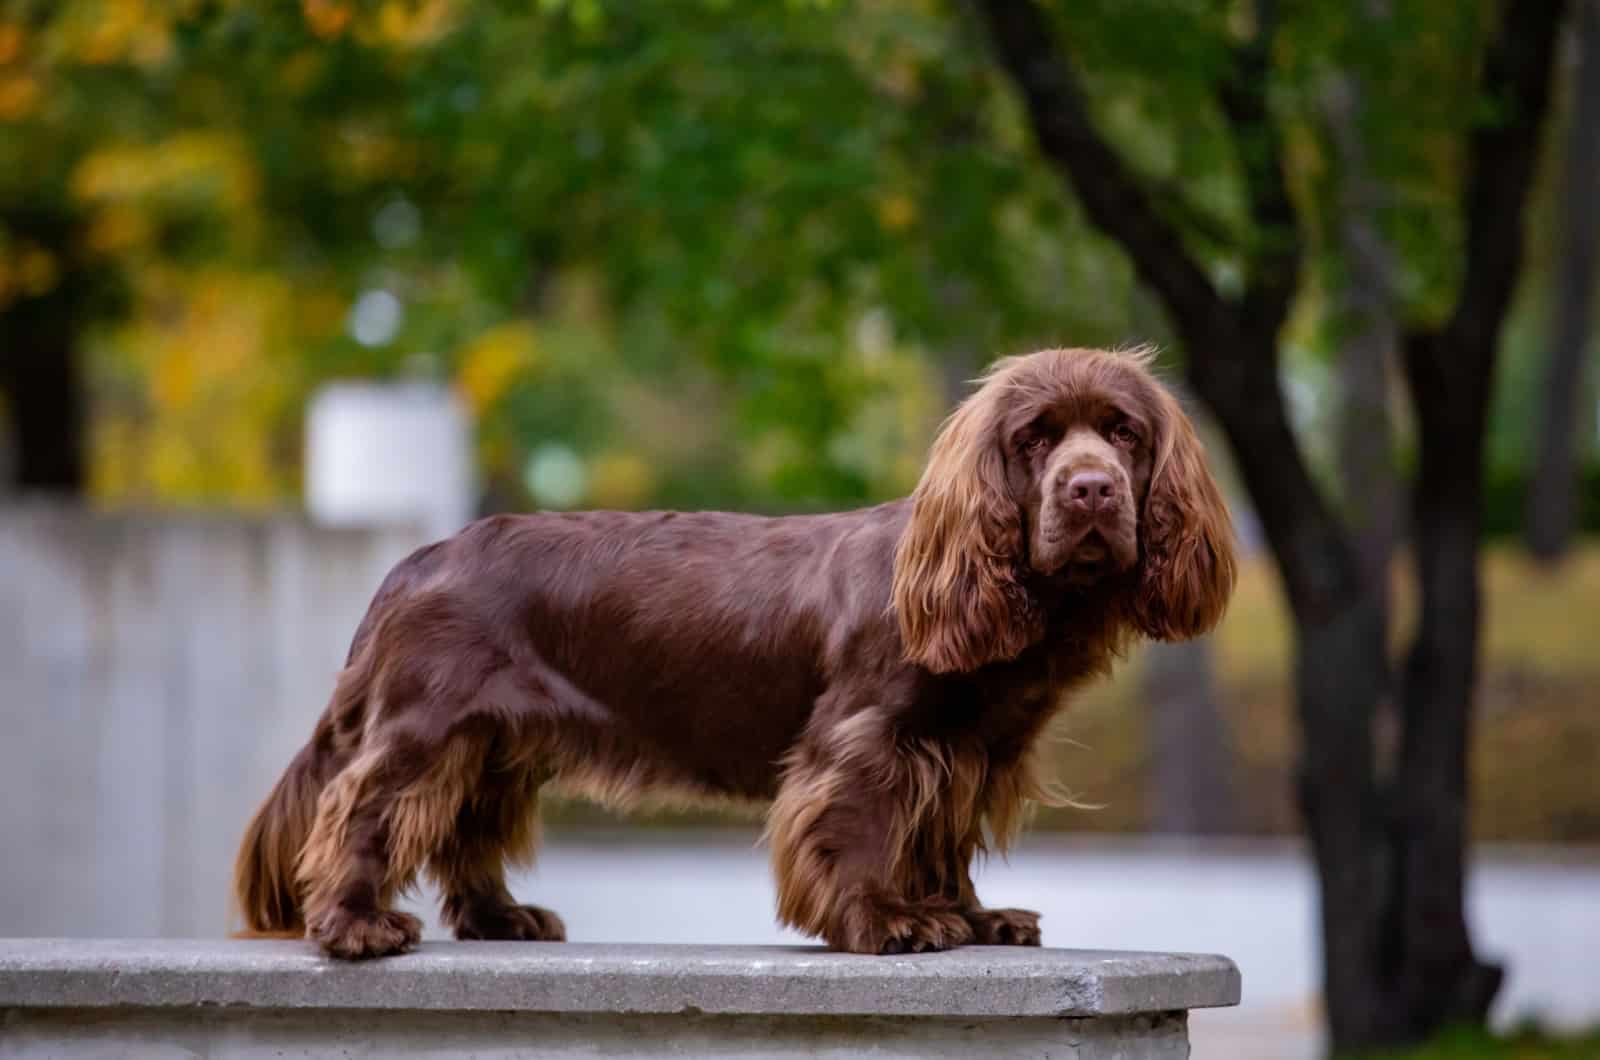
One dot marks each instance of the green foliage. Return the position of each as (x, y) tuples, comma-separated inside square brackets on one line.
[(802, 220), (1479, 1044), (1506, 494), (752, 248)]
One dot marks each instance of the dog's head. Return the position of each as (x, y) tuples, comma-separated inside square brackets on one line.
[(1071, 469)]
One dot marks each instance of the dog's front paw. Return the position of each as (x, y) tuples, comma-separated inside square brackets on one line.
[(353, 936), (519, 923), (901, 927), (1004, 927)]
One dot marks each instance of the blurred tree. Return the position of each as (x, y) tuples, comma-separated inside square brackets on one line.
[(1191, 764), (614, 188), (1367, 343), (42, 296), (48, 289), (849, 164), (1364, 317), (1551, 514), (1398, 959)]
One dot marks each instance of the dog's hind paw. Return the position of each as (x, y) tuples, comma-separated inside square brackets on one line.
[(354, 936)]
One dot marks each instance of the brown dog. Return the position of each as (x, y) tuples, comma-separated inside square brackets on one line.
[(881, 675)]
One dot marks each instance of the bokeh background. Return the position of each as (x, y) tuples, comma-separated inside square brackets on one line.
[(289, 288)]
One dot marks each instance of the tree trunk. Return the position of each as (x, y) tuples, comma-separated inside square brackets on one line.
[(1367, 479), (1397, 957), (1550, 515), (1191, 761), (39, 368), (1440, 978), (1340, 672), (44, 406), (1451, 376)]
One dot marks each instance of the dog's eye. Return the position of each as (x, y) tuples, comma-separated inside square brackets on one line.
[(1034, 443), (1124, 435)]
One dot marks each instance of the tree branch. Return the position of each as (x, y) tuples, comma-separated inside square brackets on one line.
[(1109, 192), (1231, 346), (1275, 254), (1451, 371), (1549, 523), (1169, 200)]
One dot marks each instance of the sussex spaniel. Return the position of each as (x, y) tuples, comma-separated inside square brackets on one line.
[(882, 676)]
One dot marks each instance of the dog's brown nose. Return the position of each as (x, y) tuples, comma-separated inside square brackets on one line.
[(1091, 491)]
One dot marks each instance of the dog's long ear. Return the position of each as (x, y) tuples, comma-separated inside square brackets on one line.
[(1187, 539), (955, 589)]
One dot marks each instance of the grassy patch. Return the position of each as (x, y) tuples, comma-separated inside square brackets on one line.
[(1477, 1044)]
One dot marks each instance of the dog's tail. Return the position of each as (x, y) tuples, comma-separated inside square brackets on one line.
[(265, 892), (264, 889)]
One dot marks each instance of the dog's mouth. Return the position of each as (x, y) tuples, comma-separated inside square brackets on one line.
[(1095, 554), (1086, 550), (1092, 550), (1091, 559)]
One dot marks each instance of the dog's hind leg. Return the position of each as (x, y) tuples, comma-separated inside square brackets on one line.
[(377, 823), (499, 825)]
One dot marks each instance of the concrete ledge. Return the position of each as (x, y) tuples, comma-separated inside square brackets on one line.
[(514, 976), (247, 999)]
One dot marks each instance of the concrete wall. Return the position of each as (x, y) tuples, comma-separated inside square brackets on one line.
[(75, 1034), (156, 673)]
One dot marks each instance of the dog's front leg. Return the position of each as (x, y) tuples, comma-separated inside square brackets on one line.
[(995, 927), (948, 872), (849, 838)]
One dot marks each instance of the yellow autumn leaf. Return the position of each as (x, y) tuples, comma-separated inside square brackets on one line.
[(172, 382), (210, 165), (896, 212), (19, 93), (327, 18), (413, 23), (211, 346), (12, 37), (111, 32), (116, 448), (115, 230), (237, 464), (619, 480), (494, 360), (171, 463)]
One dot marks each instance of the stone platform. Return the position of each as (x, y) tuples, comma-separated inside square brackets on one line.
[(171, 998)]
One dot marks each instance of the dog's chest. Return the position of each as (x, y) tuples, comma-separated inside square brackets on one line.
[(1015, 702)]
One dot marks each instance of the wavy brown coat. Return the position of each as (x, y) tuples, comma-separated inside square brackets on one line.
[(882, 677)]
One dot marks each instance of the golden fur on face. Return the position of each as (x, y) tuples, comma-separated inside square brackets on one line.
[(961, 566)]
